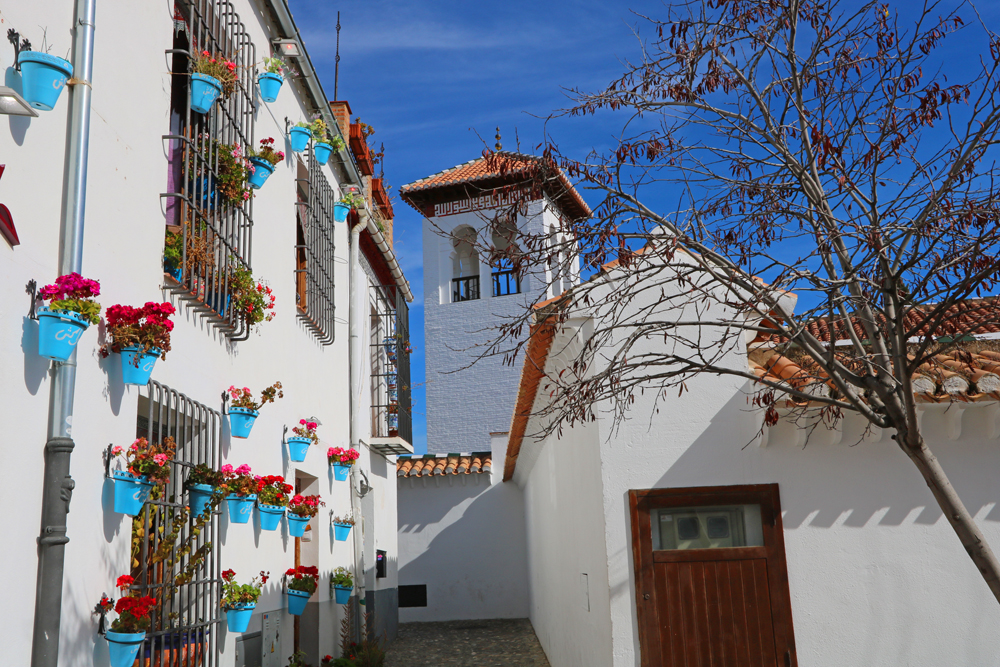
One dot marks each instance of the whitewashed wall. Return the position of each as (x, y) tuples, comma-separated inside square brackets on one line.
[(876, 574), (464, 408), (122, 248), (465, 539)]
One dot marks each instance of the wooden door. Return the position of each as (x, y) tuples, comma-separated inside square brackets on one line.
[(711, 583)]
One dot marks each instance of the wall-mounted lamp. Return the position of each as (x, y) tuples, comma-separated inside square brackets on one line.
[(288, 48), (12, 104)]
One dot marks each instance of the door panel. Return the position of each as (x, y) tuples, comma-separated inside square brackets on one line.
[(710, 607)]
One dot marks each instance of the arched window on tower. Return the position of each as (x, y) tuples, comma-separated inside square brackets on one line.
[(465, 265), (506, 278)]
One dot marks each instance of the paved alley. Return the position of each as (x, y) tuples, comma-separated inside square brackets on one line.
[(492, 643)]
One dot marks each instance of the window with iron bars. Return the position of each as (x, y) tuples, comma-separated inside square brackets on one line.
[(506, 280), (184, 629), (314, 250), (390, 360), (208, 242), (465, 289)]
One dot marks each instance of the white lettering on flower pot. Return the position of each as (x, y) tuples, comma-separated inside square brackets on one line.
[(69, 334)]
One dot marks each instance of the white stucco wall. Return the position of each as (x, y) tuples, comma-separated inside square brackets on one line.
[(465, 539), (455, 332), (122, 248), (876, 574)]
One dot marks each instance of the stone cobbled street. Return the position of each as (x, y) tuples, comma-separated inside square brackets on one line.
[(492, 643)]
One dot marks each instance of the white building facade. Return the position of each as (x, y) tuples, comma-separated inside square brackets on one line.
[(139, 184), (834, 552)]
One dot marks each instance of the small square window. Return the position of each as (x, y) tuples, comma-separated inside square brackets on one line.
[(413, 596), (707, 527)]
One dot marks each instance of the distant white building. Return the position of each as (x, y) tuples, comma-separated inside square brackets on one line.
[(461, 533), (464, 297)]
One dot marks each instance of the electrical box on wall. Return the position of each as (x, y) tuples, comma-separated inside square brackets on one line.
[(380, 564), (271, 640)]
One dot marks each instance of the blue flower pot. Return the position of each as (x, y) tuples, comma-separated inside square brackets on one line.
[(131, 492), (297, 524), (199, 496), (297, 602), (299, 138), (261, 170), (241, 421), (240, 508), (138, 374), (42, 78), (298, 448), (238, 617), (270, 516), (123, 647), (343, 594), (270, 86), (204, 91), (341, 531), (340, 472), (322, 152), (59, 332), (173, 271), (340, 211)]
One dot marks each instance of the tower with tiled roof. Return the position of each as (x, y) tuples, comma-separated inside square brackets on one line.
[(467, 209)]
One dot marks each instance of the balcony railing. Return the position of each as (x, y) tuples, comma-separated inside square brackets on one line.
[(465, 289), (506, 282), (390, 358)]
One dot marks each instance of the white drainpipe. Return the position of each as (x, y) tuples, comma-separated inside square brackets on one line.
[(356, 363)]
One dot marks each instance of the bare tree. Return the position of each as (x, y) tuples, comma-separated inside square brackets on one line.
[(828, 148)]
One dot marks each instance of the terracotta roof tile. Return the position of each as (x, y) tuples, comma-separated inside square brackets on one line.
[(969, 317), (505, 166), (962, 375), (443, 464)]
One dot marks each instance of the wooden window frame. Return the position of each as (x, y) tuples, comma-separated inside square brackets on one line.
[(641, 502)]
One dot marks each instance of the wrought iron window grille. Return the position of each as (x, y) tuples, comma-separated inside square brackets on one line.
[(506, 281), (315, 253), (211, 227), (390, 362), (185, 622), (465, 289)]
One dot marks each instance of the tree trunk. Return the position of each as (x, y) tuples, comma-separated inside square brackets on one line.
[(954, 509)]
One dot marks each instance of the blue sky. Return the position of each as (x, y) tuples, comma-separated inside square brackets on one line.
[(429, 75)]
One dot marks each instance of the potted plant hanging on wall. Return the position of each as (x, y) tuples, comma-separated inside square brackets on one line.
[(262, 161), (253, 299), (301, 582), (272, 498), (271, 79), (241, 490), (239, 600), (243, 411), (70, 311), (43, 78), (204, 487), (341, 585), (139, 335), (219, 170), (213, 76), (349, 202), (341, 460), (300, 510), (342, 527), (145, 465), (128, 631), (298, 444)]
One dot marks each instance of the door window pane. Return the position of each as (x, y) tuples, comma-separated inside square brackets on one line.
[(715, 527)]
